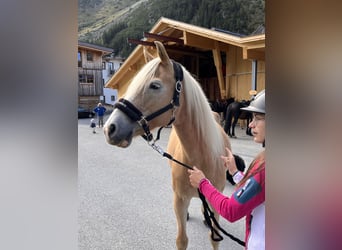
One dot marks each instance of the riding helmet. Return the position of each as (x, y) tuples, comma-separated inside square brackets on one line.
[(258, 103)]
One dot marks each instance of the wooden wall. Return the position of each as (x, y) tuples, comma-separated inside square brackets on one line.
[(92, 68), (239, 75), (238, 78)]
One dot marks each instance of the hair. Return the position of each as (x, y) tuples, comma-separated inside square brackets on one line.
[(201, 113), (260, 160), (147, 72)]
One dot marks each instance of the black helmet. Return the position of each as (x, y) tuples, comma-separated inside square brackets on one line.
[(258, 103)]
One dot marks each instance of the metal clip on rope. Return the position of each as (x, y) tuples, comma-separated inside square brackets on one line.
[(157, 148)]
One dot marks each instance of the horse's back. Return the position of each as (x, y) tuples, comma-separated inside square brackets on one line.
[(233, 108)]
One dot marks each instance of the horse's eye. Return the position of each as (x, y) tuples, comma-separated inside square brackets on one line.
[(155, 85)]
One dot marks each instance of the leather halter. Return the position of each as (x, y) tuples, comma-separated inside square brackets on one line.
[(137, 116)]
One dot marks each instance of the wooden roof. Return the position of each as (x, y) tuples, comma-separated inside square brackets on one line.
[(94, 47), (182, 36)]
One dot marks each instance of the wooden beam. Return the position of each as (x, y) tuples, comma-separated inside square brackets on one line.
[(163, 38), (140, 42), (172, 48), (218, 65), (198, 41), (253, 54), (227, 85)]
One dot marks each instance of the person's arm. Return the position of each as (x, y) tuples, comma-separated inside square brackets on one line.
[(243, 200)]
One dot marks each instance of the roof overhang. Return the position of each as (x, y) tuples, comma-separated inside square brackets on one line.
[(95, 48), (179, 36)]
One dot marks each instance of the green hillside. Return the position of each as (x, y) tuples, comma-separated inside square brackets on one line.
[(94, 16), (111, 26)]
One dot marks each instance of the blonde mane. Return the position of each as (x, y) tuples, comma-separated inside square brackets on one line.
[(200, 114)]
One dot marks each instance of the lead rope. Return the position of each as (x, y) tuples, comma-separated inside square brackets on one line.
[(207, 212)]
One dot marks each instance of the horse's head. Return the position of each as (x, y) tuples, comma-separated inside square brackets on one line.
[(149, 101)]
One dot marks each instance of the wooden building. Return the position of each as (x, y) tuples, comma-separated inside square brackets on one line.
[(226, 64), (90, 77)]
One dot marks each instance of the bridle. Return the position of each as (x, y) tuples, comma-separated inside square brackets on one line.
[(137, 116)]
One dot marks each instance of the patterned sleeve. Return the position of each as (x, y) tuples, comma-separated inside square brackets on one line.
[(243, 200)]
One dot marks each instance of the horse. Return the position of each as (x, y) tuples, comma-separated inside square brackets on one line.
[(164, 92), (234, 113), (220, 106)]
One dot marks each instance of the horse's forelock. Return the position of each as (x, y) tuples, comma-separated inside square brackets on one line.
[(201, 114), (144, 75)]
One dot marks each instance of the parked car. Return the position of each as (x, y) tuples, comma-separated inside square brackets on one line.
[(85, 113)]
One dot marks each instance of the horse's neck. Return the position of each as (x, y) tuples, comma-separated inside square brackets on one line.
[(195, 151), (190, 140)]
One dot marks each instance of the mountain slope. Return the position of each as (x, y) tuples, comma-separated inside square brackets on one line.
[(111, 29), (94, 16)]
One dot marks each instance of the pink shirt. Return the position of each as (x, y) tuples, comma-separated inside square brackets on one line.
[(247, 200)]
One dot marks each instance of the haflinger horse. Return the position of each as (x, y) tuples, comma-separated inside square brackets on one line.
[(164, 91)]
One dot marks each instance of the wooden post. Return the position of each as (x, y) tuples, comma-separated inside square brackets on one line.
[(218, 65), (226, 85)]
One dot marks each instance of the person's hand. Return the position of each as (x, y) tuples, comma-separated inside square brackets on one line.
[(229, 162), (195, 177)]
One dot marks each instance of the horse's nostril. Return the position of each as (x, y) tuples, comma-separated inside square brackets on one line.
[(111, 129)]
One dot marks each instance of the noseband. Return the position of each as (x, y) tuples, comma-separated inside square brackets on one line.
[(137, 116)]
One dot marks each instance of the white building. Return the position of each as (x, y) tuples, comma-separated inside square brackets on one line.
[(110, 65), (110, 96)]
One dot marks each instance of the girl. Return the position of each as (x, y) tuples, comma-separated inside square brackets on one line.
[(249, 197)]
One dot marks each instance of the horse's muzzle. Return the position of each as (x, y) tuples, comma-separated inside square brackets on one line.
[(119, 129), (117, 139)]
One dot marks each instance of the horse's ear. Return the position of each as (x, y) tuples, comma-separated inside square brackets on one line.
[(164, 57), (147, 55)]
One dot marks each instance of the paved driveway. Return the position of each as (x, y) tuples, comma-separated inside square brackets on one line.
[(125, 196)]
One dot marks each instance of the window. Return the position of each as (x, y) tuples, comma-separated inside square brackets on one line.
[(79, 58), (112, 98), (84, 78), (103, 65), (111, 68), (90, 79), (89, 56)]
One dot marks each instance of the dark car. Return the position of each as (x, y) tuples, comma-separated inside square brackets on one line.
[(85, 113)]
